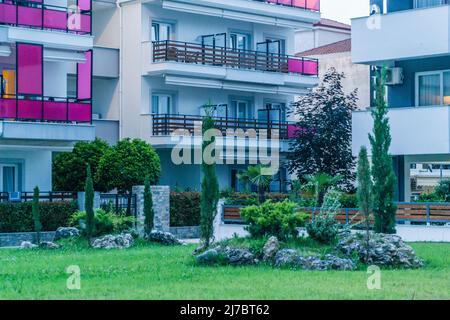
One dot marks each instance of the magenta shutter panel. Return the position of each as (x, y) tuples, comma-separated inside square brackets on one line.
[(29, 69), (8, 13), (84, 5), (84, 78)]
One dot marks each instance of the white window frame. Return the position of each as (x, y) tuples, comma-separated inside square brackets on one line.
[(166, 23), (16, 175), (429, 73), (172, 108)]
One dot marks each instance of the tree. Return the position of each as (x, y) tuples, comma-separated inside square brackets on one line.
[(384, 179), (319, 184), (89, 204), (364, 192), (69, 168), (36, 214), (210, 188), (253, 175), (148, 207), (323, 136), (127, 164)]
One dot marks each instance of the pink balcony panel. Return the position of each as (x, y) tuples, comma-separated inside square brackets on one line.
[(292, 131), (84, 77), (295, 65), (55, 111), (7, 108), (30, 109), (8, 13), (55, 19), (80, 112), (84, 5), (85, 23), (29, 69), (310, 67), (28, 16), (313, 5)]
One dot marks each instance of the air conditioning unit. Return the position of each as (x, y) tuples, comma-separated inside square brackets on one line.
[(394, 76)]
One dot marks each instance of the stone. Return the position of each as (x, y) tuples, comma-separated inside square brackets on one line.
[(291, 258), (66, 232), (120, 241), (270, 249), (163, 237), (227, 255), (27, 245), (210, 256), (49, 245), (382, 250)]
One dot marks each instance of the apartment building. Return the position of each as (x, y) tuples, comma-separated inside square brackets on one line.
[(176, 56), (411, 39), (46, 63)]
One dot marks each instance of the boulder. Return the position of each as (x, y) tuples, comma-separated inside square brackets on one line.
[(287, 258), (27, 245), (66, 232), (227, 255), (114, 241), (210, 256), (291, 258), (382, 250), (270, 249), (49, 245), (163, 237)]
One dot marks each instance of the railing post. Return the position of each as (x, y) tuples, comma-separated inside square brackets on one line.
[(347, 220), (428, 214)]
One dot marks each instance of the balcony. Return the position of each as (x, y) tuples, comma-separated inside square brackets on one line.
[(166, 124), (409, 34), (415, 130), (284, 13), (59, 110), (37, 15)]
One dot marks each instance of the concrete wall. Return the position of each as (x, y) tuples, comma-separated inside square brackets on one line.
[(317, 37)]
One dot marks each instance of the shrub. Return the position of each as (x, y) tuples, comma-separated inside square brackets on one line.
[(442, 190), (104, 222), (149, 214), (36, 215), (349, 200), (184, 209), (430, 197), (250, 199), (18, 217), (273, 219), (324, 228)]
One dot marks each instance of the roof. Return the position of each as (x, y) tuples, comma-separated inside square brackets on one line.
[(328, 23), (336, 47)]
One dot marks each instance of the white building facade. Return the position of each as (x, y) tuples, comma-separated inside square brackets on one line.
[(176, 56), (411, 39)]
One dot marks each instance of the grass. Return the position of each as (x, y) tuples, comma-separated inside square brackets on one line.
[(156, 272)]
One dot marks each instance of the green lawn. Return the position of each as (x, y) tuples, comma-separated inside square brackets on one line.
[(156, 272)]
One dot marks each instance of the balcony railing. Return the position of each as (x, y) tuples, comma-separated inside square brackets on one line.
[(165, 124), (313, 5), (195, 53), (36, 15), (47, 109)]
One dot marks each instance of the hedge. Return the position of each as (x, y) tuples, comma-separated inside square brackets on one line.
[(17, 217), (184, 209), (249, 199)]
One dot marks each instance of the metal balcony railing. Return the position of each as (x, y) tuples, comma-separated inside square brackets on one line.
[(313, 5), (194, 53)]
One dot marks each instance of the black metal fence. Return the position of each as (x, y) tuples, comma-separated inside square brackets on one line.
[(27, 196), (118, 203)]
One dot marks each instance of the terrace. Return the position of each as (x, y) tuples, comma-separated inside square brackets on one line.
[(36, 14)]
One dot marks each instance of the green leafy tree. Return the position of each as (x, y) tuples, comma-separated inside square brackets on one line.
[(323, 139), (442, 190), (69, 168), (89, 204), (210, 189), (254, 175), (149, 214), (127, 164), (36, 214), (364, 192), (384, 179), (318, 184)]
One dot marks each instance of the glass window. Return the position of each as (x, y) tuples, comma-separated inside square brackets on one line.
[(161, 31), (446, 88), (9, 178), (162, 104), (428, 3), (430, 90)]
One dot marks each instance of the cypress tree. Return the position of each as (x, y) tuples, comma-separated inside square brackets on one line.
[(89, 204), (148, 207), (364, 192), (384, 179), (36, 214)]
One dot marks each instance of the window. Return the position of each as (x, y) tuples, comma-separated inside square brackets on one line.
[(428, 3), (162, 104), (239, 41), (9, 178), (241, 109), (161, 31), (433, 88)]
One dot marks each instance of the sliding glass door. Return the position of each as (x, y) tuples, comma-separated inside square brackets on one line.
[(8, 178)]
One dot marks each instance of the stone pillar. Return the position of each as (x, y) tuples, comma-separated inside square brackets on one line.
[(81, 201), (161, 207)]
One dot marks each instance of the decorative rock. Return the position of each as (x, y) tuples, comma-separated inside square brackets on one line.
[(286, 258), (114, 241), (49, 245), (270, 249), (291, 258), (64, 233), (383, 250), (27, 245), (163, 237), (227, 255), (210, 256)]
